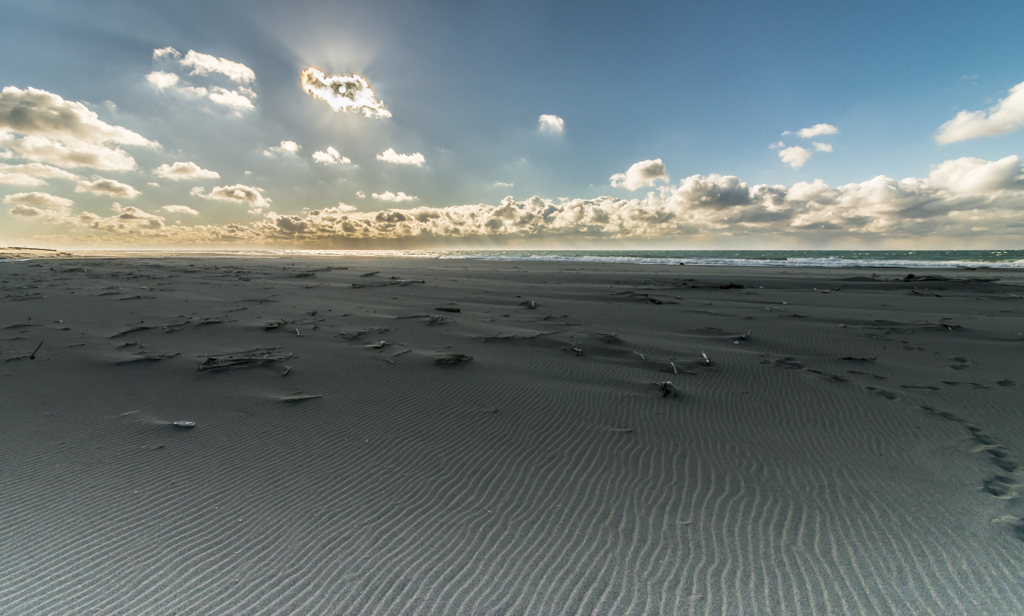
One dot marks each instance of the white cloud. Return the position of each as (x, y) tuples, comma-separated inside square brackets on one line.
[(343, 93), (502, 185), (795, 156), (153, 184), (203, 64), (643, 173), (360, 194), (162, 80), (184, 171), (111, 188), (330, 157), (344, 207), (391, 156), (551, 124), (180, 209), (390, 196), (287, 148), (978, 176), (32, 174), (64, 133), (231, 98), (1005, 117), (962, 200), (777, 145), (166, 51), (822, 147), (787, 132), (25, 211), (238, 193), (40, 200), (817, 129)]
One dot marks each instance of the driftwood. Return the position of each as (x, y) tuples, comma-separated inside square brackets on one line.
[(454, 358), (389, 283), (245, 359), (448, 309)]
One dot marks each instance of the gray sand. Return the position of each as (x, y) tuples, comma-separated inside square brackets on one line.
[(851, 446)]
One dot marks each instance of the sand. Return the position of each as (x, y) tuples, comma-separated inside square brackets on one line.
[(851, 444)]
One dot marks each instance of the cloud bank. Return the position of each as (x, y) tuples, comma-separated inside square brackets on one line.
[(343, 93), (1005, 117)]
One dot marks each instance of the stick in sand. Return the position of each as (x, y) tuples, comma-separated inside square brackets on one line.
[(33, 355)]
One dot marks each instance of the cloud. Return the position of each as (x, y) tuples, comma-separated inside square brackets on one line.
[(343, 93), (239, 193), (978, 176), (39, 199), (153, 184), (25, 211), (817, 129), (162, 80), (822, 147), (166, 51), (777, 145), (231, 98), (180, 209), (32, 174), (391, 156), (330, 157), (643, 173), (551, 124), (390, 196), (1005, 117), (203, 64), (64, 133), (795, 156), (111, 188), (344, 207), (502, 185), (287, 148), (184, 171), (360, 194), (960, 200)]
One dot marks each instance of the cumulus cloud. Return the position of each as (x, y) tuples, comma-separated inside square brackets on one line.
[(960, 199), (25, 211), (239, 193), (643, 173), (39, 200), (817, 129), (795, 156), (777, 145), (287, 148), (161, 80), (390, 196), (32, 174), (203, 64), (64, 133), (180, 209), (166, 51), (1005, 117), (391, 156), (822, 147), (111, 188), (230, 98), (343, 93), (360, 194), (344, 207), (185, 171), (551, 124), (330, 156)]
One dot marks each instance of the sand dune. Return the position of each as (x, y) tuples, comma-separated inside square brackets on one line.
[(833, 441)]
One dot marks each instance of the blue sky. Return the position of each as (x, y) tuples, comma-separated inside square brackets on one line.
[(705, 89)]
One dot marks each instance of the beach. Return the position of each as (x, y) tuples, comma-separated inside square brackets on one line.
[(431, 436)]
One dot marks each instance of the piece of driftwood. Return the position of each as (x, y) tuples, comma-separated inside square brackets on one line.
[(532, 305), (667, 388), (245, 359), (454, 358), (389, 283), (448, 309)]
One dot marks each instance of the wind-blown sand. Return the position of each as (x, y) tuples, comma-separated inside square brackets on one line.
[(853, 446)]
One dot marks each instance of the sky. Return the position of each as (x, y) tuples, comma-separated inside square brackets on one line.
[(402, 124)]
